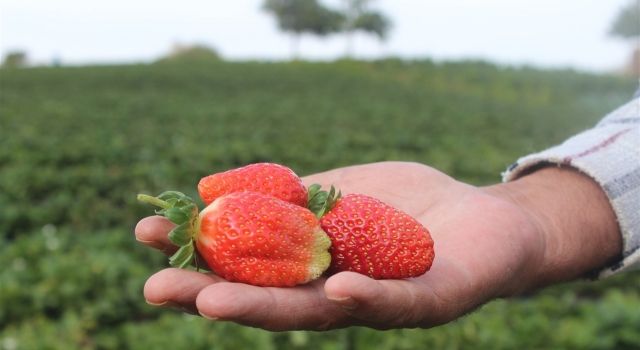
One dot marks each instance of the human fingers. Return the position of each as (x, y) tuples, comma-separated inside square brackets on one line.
[(153, 231), (177, 288), (275, 309), (385, 304)]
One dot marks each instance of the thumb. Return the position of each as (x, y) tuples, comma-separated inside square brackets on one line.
[(380, 304)]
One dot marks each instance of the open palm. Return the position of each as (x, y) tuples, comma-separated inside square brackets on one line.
[(486, 247)]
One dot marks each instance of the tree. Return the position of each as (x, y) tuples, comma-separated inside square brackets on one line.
[(627, 24), (358, 17), (304, 16)]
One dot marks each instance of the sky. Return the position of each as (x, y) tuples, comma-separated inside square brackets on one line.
[(543, 33)]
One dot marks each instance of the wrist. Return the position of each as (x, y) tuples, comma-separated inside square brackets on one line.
[(575, 222)]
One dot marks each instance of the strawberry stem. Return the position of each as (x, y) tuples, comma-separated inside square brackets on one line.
[(145, 198)]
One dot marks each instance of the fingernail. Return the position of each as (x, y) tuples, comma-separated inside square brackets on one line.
[(158, 304), (166, 303), (347, 303), (153, 244), (210, 318)]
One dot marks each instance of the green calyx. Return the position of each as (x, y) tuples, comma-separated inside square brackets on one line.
[(319, 201), (182, 211)]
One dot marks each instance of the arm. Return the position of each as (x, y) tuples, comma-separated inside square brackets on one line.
[(579, 227)]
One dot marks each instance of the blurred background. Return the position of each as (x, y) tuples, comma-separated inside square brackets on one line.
[(100, 101)]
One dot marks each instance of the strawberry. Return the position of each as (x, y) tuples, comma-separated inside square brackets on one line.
[(247, 237), (371, 237), (267, 178)]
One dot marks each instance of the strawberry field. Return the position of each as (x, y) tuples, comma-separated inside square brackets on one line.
[(77, 144)]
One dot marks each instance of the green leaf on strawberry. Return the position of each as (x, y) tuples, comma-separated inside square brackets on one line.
[(319, 201), (182, 211)]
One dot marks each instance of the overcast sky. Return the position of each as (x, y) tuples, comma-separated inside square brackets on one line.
[(545, 33)]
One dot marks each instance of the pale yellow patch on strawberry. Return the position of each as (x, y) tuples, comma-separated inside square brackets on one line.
[(320, 256)]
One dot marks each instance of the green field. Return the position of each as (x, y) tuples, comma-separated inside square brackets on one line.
[(77, 144)]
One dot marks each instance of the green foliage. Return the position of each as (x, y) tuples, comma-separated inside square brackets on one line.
[(360, 18), (373, 23), (304, 16), (77, 144), (627, 24)]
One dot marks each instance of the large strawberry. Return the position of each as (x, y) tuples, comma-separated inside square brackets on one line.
[(371, 237), (247, 237), (267, 178)]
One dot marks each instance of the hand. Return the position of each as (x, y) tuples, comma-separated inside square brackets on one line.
[(489, 243)]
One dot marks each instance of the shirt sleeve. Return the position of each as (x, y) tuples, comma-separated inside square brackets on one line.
[(610, 154)]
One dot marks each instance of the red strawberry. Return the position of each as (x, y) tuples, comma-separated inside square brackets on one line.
[(375, 239), (267, 178), (247, 237)]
